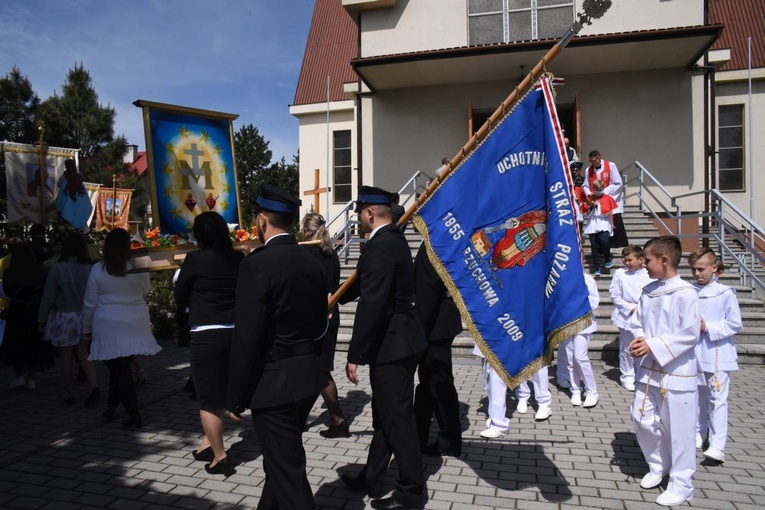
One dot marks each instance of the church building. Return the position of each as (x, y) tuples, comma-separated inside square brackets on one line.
[(390, 87)]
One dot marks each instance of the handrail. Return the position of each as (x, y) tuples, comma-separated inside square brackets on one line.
[(731, 222), (344, 234), (416, 188)]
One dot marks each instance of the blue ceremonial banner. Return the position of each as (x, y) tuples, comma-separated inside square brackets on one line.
[(502, 232), (191, 163)]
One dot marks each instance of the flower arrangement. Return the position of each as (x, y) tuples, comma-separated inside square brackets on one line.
[(155, 239)]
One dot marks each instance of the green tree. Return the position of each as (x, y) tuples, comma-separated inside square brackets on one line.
[(76, 119), (252, 160), (18, 108)]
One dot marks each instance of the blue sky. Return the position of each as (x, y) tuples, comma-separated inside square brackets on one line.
[(234, 56)]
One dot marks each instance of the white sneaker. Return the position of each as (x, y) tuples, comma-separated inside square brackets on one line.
[(699, 441), (714, 454), (651, 480), (666, 498), (492, 433), (523, 405), (629, 386), (576, 398), (590, 401), (543, 413)]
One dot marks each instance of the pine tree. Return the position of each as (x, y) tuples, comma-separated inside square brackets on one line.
[(253, 158), (18, 108), (76, 119)]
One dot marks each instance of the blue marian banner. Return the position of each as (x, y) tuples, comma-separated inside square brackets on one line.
[(192, 162), (502, 232)]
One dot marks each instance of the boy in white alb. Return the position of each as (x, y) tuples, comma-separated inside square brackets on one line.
[(715, 352), (626, 287), (541, 394), (497, 425), (579, 366), (666, 331)]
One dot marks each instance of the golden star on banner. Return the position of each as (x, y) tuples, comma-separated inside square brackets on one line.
[(169, 192), (205, 136), (169, 147), (184, 132), (223, 205), (217, 150), (225, 187), (176, 213), (167, 169)]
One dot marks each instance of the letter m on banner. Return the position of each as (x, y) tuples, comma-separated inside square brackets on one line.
[(502, 232)]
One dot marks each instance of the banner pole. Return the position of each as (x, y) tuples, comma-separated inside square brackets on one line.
[(41, 169), (114, 198), (507, 105)]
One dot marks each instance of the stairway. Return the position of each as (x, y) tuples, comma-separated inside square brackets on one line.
[(604, 343)]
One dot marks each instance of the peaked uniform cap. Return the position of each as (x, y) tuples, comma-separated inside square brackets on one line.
[(371, 195), (277, 200)]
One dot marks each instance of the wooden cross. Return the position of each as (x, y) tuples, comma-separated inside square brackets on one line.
[(315, 191)]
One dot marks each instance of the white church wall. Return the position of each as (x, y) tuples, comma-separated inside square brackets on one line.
[(313, 151), (737, 93), (436, 24), (625, 116)]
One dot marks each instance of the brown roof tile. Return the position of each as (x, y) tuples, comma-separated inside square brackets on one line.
[(331, 46), (742, 18)]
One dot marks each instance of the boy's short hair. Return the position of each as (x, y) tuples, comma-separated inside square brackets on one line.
[(695, 255), (666, 245), (634, 250), (598, 184), (720, 265)]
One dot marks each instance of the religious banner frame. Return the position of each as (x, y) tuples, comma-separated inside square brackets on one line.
[(173, 132)]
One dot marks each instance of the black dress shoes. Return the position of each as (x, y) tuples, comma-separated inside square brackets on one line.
[(334, 431), (434, 450), (133, 421), (391, 504), (358, 483), (205, 455), (223, 467)]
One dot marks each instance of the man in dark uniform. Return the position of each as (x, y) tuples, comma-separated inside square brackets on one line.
[(436, 392), (281, 308), (388, 336)]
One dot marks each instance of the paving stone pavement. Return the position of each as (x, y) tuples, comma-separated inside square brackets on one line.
[(54, 456)]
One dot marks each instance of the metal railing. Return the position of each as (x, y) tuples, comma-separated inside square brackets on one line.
[(347, 227), (740, 239)]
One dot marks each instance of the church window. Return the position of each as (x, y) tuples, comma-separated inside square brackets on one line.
[(730, 164), (341, 166), (496, 21)]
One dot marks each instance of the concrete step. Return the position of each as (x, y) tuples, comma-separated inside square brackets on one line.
[(604, 343)]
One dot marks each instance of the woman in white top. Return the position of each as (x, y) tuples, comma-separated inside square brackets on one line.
[(116, 315)]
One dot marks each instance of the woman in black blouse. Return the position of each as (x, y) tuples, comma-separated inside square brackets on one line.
[(207, 286)]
